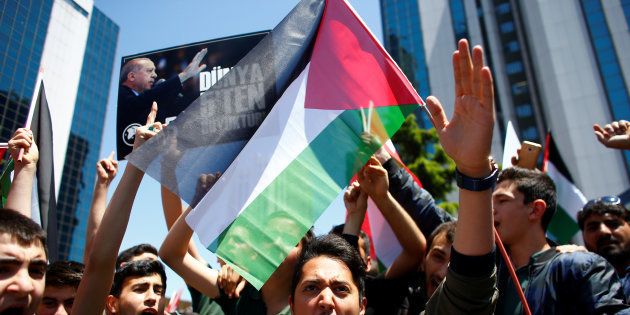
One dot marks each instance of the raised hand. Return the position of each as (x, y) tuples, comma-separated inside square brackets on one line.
[(615, 135), (23, 139), (150, 129), (355, 199), (467, 137), (106, 169), (230, 282), (193, 67), (373, 179)]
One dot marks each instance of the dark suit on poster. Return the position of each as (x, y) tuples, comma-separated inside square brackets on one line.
[(134, 107)]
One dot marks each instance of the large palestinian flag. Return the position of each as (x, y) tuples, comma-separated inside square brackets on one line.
[(570, 200), (322, 72)]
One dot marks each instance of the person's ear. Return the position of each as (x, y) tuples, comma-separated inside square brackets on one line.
[(539, 207), (131, 76), (111, 303), (362, 305), (369, 262)]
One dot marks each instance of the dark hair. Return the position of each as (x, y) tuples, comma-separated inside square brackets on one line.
[(132, 65), (601, 208), (64, 274), (128, 254), (140, 268), (446, 227), (335, 247), (338, 230), (22, 229), (533, 184)]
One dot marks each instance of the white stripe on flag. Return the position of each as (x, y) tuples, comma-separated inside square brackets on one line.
[(260, 161), (569, 197), (512, 144)]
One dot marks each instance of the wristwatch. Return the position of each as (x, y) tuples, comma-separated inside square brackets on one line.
[(477, 184)]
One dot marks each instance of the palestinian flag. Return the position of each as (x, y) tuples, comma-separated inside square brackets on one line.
[(570, 200), (325, 70), (44, 201)]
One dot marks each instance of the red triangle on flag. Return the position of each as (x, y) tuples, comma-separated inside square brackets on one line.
[(349, 68)]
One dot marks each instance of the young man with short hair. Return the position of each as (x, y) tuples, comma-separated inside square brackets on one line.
[(329, 277), (524, 202), (605, 229), (138, 288), (22, 263), (62, 281)]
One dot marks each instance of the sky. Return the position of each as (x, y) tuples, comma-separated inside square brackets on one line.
[(156, 24)]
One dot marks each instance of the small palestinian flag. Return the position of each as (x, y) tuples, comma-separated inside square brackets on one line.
[(563, 226)]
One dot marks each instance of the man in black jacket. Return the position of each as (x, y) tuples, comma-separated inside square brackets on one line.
[(138, 90)]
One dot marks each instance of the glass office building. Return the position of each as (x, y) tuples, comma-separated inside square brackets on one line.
[(23, 26), (558, 66), (86, 132), (73, 44)]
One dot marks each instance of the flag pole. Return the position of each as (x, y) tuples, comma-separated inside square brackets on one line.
[(29, 118)]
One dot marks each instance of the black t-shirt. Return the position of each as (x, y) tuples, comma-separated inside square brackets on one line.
[(406, 295)]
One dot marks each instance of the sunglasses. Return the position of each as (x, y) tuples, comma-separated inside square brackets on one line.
[(606, 200)]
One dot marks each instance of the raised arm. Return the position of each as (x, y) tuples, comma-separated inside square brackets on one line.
[(470, 285), (355, 201), (373, 180), (99, 271), (19, 198), (106, 170), (174, 252), (173, 209), (467, 138)]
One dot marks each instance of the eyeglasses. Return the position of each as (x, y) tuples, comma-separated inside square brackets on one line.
[(606, 200)]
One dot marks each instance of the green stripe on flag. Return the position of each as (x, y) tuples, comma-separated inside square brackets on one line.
[(563, 226), (260, 238), (5, 182)]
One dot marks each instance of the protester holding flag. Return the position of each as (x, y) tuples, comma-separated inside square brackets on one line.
[(98, 276), (385, 293), (272, 297), (230, 283), (414, 199), (20, 194)]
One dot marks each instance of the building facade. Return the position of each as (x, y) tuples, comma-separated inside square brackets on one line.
[(70, 45), (557, 66)]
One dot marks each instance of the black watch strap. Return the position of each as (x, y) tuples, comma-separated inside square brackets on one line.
[(476, 184)]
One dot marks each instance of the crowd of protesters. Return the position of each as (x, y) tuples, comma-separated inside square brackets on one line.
[(446, 265)]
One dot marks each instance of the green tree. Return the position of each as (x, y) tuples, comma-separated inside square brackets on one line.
[(421, 151)]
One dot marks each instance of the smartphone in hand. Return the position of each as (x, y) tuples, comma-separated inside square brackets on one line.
[(528, 155)]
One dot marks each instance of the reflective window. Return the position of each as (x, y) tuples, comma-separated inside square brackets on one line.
[(503, 8), (458, 16), (506, 27), (514, 67), (609, 68), (529, 133), (404, 41), (524, 110), (512, 46)]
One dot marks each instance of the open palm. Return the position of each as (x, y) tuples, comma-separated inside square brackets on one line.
[(467, 137)]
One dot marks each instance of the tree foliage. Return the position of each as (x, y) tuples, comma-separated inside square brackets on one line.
[(421, 151)]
